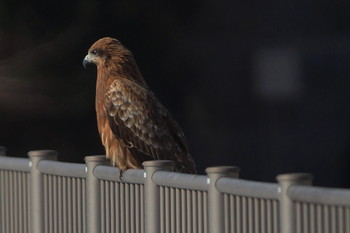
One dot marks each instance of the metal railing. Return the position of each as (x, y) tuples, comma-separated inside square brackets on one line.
[(40, 195)]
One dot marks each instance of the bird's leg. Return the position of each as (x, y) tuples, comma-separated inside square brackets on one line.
[(121, 174)]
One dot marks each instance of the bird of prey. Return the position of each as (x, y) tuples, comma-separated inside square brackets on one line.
[(133, 125)]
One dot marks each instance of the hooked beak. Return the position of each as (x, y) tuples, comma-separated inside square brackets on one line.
[(87, 60)]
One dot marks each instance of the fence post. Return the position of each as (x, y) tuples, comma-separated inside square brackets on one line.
[(287, 211), (151, 193), (37, 188), (216, 198), (93, 197), (2, 151)]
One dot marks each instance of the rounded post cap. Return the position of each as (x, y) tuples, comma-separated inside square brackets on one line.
[(294, 177), (2, 151), (95, 158), (222, 169), (158, 163), (42, 153)]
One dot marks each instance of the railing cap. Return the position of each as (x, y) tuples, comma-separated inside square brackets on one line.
[(294, 177), (2, 150), (222, 169), (42, 153), (158, 163), (95, 158)]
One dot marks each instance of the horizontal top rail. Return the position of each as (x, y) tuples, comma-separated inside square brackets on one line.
[(14, 164), (49, 167), (104, 172), (248, 188), (319, 195), (181, 180)]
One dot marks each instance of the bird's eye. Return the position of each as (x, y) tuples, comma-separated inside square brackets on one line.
[(94, 52)]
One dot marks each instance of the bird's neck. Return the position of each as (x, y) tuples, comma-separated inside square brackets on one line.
[(124, 67), (102, 83)]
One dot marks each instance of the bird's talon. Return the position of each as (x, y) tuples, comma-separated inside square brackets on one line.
[(121, 175)]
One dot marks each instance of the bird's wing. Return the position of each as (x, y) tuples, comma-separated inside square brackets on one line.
[(138, 119)]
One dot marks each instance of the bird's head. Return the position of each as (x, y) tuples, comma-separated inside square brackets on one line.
[(102, 50), (114, 60)]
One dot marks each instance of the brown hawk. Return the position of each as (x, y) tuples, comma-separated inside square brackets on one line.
[(134, 126)]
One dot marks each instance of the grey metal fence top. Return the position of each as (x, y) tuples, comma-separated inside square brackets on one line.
[(62, 168), (43, 153), (295, 178), (248, 188), (223, 169), (104, 172), (181, 180), (15, 164), (318, 195), (2, 151)]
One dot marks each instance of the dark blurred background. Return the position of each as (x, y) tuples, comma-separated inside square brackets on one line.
[(263, 85)]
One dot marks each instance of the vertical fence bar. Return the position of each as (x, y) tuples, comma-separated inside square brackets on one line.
[(37, 188), (151, 195), (2, 202), (93, 195), (2, 198), (216, 198), (287, 212)]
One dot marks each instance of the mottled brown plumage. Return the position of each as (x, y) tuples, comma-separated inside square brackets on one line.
[(134, 126)]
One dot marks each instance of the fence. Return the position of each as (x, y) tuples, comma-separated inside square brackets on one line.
[(40, 195)]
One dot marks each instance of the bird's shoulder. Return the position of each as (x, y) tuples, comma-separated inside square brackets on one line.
[(126, 95), (141, 121), (126, 88)]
